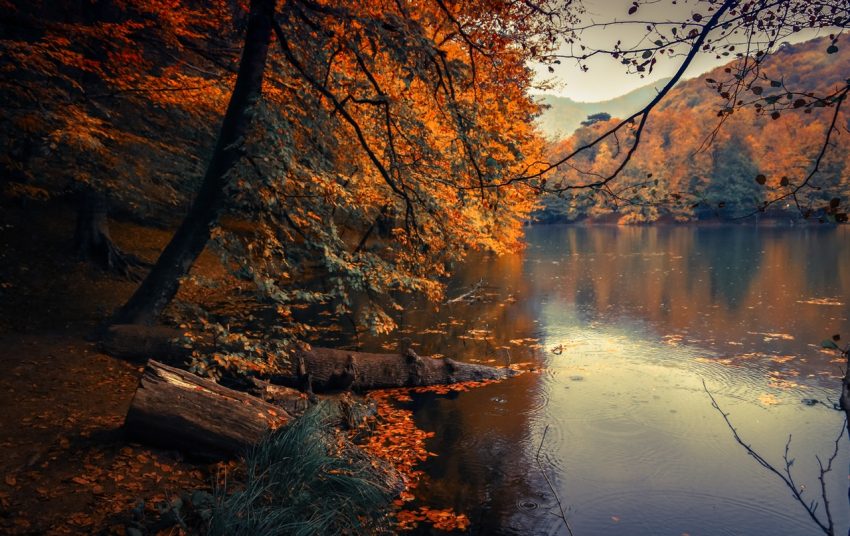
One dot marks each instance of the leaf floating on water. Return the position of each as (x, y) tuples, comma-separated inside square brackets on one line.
[(778, 382), (772, 336), (445, 520), (432, 331), (768, 399), (822, 301), (672, 340)]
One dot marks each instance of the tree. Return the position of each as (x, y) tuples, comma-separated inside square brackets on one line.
[(595, 118), (366, 179)]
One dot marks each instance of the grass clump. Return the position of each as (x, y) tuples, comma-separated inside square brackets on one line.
[(304, 480)]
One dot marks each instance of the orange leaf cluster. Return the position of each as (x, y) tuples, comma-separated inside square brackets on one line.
[(446, 519), (396, 439), (454, 387)]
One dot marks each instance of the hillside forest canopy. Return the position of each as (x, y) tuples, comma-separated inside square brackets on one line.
[(341, 160)]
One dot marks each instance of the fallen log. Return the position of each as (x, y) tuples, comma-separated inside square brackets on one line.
[(322, 369), (175, 409), (329, 369)]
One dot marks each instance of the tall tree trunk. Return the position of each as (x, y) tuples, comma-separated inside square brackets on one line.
[(91, 237), (163, 281)]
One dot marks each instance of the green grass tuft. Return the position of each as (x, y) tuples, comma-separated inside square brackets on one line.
[(299, 484)]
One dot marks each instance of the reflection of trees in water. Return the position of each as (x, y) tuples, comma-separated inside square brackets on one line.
[(822, 254), (728, 260), (714, 284), (700, 280), (484, 466)]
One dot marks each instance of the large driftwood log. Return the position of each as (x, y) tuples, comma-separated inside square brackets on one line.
[(323, 369), (175, 409)]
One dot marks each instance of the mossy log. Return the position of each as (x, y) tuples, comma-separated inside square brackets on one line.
[(175, 409), (322, 369)]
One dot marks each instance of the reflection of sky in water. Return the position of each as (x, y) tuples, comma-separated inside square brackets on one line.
[(642, 316), (635, 447)]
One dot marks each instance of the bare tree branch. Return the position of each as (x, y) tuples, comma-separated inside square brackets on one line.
[(827, 526)]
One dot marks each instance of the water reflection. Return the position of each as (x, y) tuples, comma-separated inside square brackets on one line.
[(638, 318)]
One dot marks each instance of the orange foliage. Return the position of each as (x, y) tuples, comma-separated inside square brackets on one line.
[(682, 171)]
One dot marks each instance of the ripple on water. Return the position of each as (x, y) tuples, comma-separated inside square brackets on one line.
[(527, 504), (684, 510)]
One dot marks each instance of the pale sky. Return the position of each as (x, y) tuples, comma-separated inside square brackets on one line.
[(607, 77)]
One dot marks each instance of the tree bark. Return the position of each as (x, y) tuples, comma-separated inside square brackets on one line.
[(175, 409), (163, 281), (322, 369)]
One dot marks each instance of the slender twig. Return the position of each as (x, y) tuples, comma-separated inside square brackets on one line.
[(466, 295), (563, 514)]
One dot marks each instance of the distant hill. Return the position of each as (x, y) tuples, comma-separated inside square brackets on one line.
[(675, 175), (565, 115)]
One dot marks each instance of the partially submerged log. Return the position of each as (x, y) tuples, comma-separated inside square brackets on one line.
[(175, 409), (322, 369), (330, 369)]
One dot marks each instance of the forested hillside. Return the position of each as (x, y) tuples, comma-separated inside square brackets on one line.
[(563, 115), (686, 168)]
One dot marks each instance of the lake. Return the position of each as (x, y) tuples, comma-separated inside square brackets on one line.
[(624, 325)]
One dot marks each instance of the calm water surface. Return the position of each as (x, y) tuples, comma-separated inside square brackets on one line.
[(625, 324)]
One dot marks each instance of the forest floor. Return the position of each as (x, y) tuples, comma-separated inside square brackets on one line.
[(65, 465)]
